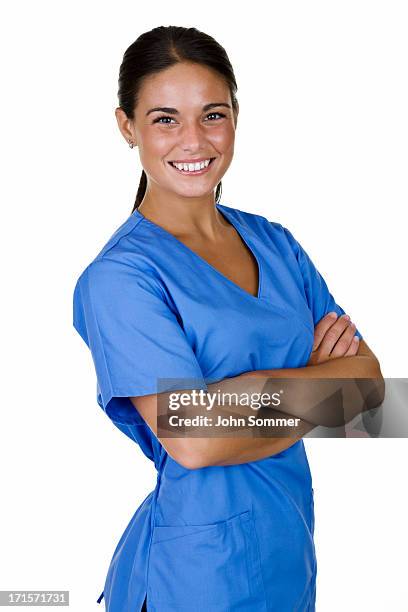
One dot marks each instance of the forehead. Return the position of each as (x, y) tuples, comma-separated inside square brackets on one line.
[(184, 83)]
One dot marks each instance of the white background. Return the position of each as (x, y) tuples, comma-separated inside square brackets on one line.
[(321, 147)]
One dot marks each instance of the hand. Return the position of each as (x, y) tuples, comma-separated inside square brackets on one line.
[(333, 338)]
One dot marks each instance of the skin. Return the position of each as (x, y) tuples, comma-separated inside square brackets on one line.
[(185, 207)]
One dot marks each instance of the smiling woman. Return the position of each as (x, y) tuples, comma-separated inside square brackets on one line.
[(188, 293), (185, 112)]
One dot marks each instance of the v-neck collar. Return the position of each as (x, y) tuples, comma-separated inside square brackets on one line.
[(242, 234)]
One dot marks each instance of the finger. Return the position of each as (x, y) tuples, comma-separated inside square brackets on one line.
[(343, 343), (333, 334), (321, 328), (355, 343)]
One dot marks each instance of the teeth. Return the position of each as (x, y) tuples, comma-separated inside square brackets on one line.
[(191, 167)]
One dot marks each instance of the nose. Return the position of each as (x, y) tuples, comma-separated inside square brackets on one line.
[(192, 136)]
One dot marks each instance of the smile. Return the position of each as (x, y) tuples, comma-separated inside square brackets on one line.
[(193, 169)]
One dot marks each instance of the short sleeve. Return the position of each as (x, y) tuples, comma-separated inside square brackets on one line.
[(319, 298), (134, 337)]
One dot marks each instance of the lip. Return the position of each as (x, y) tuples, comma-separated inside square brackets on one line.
[(189, 161), (195, 173)]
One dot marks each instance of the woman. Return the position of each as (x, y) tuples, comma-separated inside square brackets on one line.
[(191, 290)]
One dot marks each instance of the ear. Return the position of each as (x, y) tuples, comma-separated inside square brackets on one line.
[(125, 125)]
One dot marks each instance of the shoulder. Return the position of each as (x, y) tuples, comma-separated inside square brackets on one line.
[(111, 279), (115, 245), (262, 226), (124, 255), (112, 290)]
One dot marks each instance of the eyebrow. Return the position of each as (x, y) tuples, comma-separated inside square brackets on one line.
[(174, 111)]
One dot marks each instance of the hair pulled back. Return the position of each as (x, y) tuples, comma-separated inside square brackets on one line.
[(158, 49)]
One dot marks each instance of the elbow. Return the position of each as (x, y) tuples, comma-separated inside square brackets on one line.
[(376, 369), (375, 392), (379, 392), (192, 462), (189, 454), (378, 379), (372, 369)]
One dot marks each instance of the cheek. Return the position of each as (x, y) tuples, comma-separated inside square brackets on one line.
[(223, 138), (153, 150), (155, 145)]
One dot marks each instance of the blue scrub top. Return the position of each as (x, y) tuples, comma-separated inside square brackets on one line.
[(218, 538)]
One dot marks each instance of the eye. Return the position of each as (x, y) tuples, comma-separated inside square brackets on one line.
[(216, 113), (159, 119)]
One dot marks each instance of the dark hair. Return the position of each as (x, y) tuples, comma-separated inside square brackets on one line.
[(159, 49)]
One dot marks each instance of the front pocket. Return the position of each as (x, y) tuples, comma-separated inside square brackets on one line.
[(203, 566)]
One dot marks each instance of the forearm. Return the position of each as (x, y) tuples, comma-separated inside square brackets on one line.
[(232, 451), (358, 366), (314, 404)]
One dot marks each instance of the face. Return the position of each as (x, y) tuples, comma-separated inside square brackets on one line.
[(198, 124)]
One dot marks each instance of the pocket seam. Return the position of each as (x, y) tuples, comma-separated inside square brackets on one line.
[(257, 560), (242, 516), (183, 535)]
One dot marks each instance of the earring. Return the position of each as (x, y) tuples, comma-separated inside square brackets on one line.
[(131, 144)]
